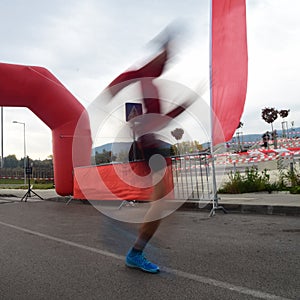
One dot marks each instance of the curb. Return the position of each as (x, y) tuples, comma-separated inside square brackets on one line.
[(263, 209), (247, 208)]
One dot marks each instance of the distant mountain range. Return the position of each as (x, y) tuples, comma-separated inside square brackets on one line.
[(125, 146), (257, 137), (118, 147)]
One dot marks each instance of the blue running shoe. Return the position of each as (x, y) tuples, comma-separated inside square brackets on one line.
[(139, 261)]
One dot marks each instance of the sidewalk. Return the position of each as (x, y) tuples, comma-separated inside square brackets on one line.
[(279, 203)]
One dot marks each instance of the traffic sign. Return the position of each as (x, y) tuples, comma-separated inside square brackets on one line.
[(133, 110)]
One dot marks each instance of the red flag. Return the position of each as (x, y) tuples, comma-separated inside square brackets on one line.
[(229, 67)]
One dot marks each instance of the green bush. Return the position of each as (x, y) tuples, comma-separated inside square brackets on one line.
[(295, 190), (293, 177), (251, 181), (290, 179)]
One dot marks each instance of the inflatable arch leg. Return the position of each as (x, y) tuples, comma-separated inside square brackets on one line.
[(41, 92)]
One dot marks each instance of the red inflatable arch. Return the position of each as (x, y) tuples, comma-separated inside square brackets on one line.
[(40, 91)]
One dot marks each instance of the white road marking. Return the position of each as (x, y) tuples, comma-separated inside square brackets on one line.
[(186, 275)]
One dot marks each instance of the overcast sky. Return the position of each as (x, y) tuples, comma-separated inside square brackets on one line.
[(86, 44)]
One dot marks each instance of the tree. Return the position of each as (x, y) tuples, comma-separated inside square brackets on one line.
[(269, 115), (104, 157), (11, 161), (241, 124), (177, 133), (198, 146), (15, 167), (187, 147), (284, 113)]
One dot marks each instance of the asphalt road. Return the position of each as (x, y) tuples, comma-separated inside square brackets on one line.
[(50, 250)]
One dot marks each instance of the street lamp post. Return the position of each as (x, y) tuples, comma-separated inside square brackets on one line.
[(2, 158), (24, 150)]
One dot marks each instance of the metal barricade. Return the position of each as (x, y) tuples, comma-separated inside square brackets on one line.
[(192, 176)]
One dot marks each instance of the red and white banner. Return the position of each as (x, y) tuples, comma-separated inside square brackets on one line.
[(128, 181), (229, 67)]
